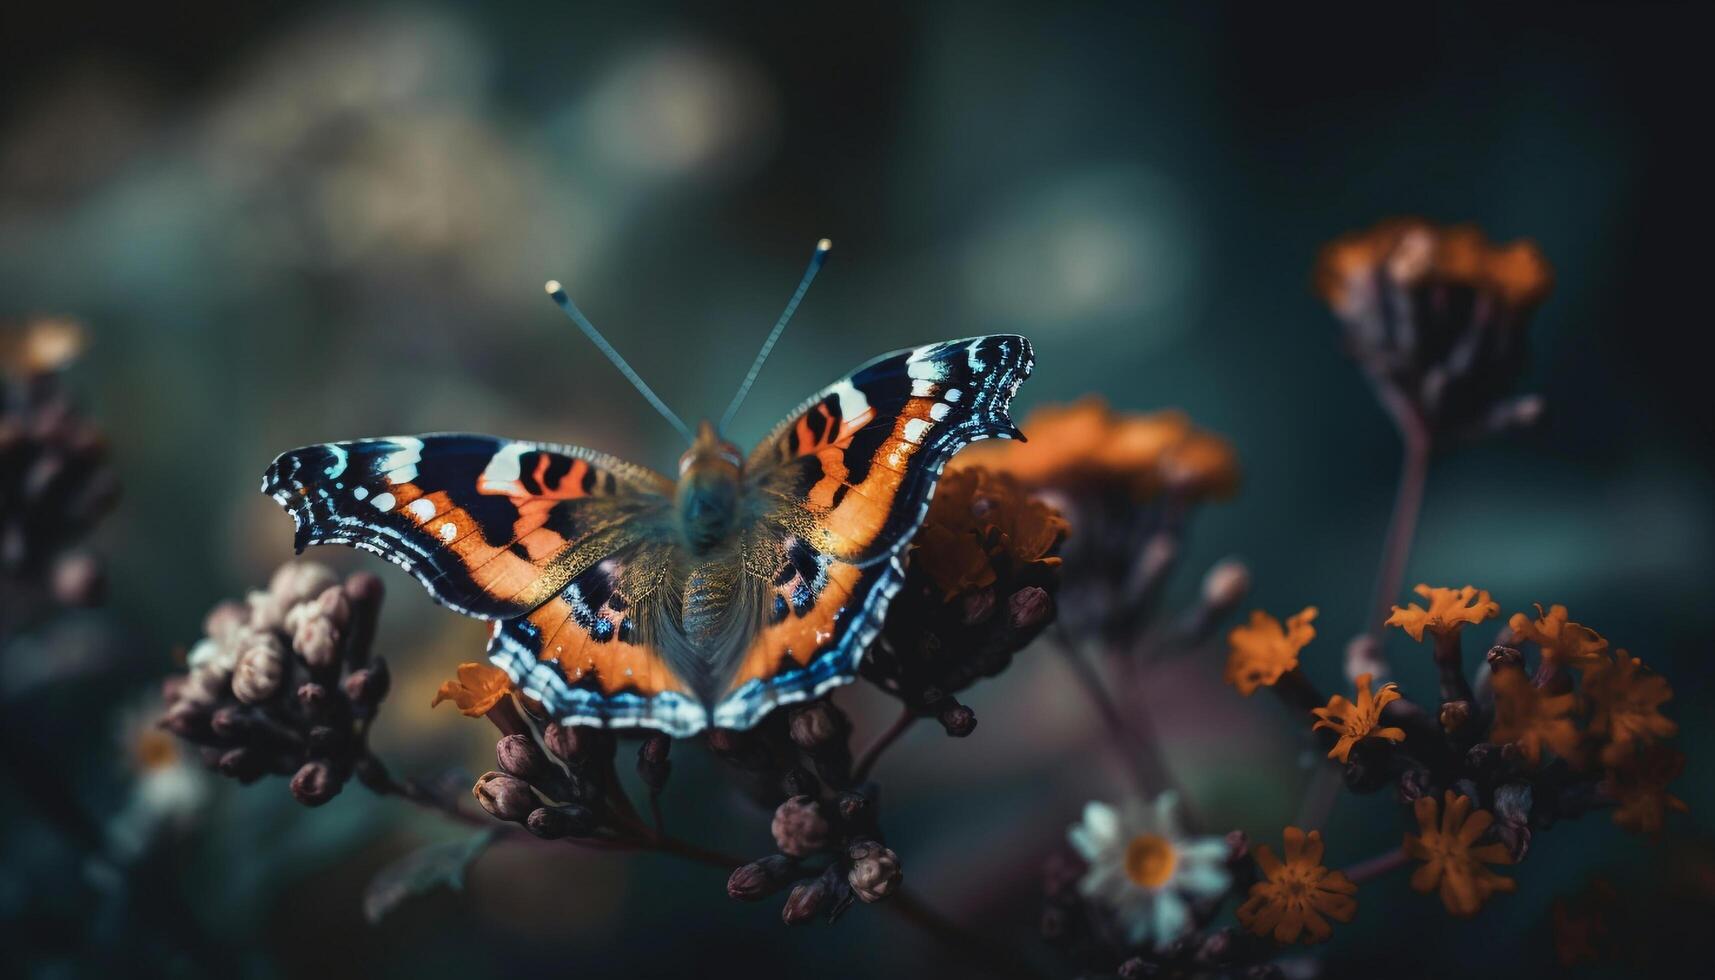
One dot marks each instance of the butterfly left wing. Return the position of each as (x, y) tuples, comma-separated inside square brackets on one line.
[(491, 527), (839, 488)]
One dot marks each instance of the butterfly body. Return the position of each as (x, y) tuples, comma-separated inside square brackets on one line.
[(621, 598)]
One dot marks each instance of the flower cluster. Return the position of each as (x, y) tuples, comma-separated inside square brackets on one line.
[(56, 480), (980, 586), (1510, 754), (1436, 316), (284, 683), (1128, 484)]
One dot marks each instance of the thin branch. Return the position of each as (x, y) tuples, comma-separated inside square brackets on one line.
[(1132, 739), (1377, 866), (1407, 505)]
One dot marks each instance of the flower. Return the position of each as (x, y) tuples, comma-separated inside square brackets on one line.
[(1263, 650), (978, 520), (1356, 722), (1295, 895), (1625, 700), (41, 346), (1449, 611), (478, 688), (1640, 789), (1143, 868), (1087, 445), (874, 871), (1452, 859), (1436, 316), (1563, 643), (1530, 718)]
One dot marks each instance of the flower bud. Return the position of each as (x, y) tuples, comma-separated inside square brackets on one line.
[(805, 900), (958, 719), (313, 698), (1505, 658), (79, 580), (317, 640), (505, 797), (224, 619), (1225, 585), (315, 783), (874, 871), (1029, 608), (261, 666), (761, 878), (1454, 715), (563, 741), (297, 581), (799, 827), (553, 823), (519, 756), (813, 725), (978, 607), (367, 686), (245, 764)]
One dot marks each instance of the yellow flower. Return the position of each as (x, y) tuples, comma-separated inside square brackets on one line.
[(477, 690), (1412, 251), (1452, 860), (1533, 720), (1449, 611), (1262, 650), (1088, 445), (1295, 895), (1625, 699), (1563, 643), (1356, 722), (980, 519), (1640, 789)]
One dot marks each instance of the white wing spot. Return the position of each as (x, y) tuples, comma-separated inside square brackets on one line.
[(939, 410), (383, 501), (953, 394), (360, 492), (422, 508), (449, 530), (914, 429)]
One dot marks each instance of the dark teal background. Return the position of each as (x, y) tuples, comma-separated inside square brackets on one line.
[(285, 225)]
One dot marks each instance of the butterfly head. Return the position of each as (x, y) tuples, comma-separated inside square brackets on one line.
[(707, 500)]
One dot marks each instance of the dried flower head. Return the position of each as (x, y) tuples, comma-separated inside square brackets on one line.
[(285, 683), (1532, 719), (1088, 446), (1453, 861), (1355, 722), (1625, 706), (1297, 896), (476, 690), (1562, 642), (1437, 314), (1262, 650), (981, 583), (1449, 611)]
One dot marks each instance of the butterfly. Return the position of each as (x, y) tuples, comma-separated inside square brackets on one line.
[(619, 597)]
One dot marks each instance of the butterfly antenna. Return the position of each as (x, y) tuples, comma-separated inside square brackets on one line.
[(577, 316), (816, 259)]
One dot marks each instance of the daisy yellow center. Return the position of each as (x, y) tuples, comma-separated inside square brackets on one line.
[(1150, 860), (154, 750)]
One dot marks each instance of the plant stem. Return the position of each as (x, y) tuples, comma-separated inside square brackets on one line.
[(1132, 739), (1375, 867), (867, 761), (1407, 504), (994, 959)]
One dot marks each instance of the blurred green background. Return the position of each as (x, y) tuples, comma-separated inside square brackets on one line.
[(297, 223)]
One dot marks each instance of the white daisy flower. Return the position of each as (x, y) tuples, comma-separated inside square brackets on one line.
[(1145, 869)]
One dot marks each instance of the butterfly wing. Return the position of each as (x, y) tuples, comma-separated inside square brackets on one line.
[(838, 489), (492, 527)]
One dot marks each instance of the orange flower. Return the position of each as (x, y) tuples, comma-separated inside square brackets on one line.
[(1625, 700), (1563, 643), (1640, 789), (1449, 611), (1356, 722), (1294, 895), (979, 518), (1452, 861), (1263, 650), (477, 690), (1088, 444), (1533, 720), (1410, 251), (41, 346)]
